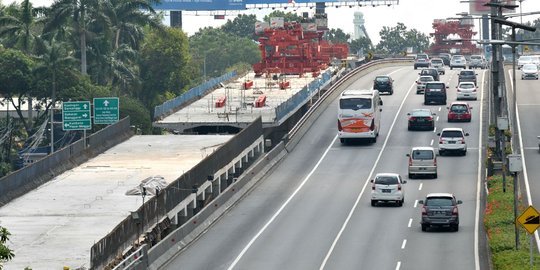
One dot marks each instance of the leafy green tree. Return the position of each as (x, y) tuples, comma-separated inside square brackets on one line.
[(17, 27), (6, 254), (164, 61), (221, 50), (139, 115), (337, 36), (16, 79), (78, 14), (287, 16), (362, 44), (242, 26), (395, 40)]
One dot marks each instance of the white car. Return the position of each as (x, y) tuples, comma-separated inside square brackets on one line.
[(387, 187), (523, 60), (466, 90), (452, 140), (529, 71), (437, 63)]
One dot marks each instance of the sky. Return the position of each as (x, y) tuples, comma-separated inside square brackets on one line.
[(415, 14)]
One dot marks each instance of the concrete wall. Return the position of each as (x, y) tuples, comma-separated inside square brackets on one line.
[(30, 177)]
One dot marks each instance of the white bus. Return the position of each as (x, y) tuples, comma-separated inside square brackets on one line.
[(359, 115)]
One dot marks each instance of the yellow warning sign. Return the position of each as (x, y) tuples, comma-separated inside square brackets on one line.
[(529, 219)]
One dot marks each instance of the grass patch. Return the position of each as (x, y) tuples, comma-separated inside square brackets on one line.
[(499, 222)]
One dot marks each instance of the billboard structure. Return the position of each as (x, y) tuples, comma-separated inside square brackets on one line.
[(211, 5), (477, 7)]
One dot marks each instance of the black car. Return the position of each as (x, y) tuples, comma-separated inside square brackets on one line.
[(467, 75), (446, 58), (435, 92), (433, 72), (384, 83), (421, 119), (440, 209)]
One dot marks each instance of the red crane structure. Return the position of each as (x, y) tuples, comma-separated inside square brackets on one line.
[(294, 48), (444, 44)]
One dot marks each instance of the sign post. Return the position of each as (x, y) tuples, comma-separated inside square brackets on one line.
[(530, 220), (76, 115), (106, 110)]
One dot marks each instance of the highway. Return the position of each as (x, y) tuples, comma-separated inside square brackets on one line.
[(528, 104), (313, 210)]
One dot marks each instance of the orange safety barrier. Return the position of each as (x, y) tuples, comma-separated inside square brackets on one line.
[(248, 84), (220, 102), (284, 85), (260, 102)]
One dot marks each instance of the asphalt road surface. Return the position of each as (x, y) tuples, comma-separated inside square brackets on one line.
[(313, 210)]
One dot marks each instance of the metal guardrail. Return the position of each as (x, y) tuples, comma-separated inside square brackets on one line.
[(301, 96), (170, 105)]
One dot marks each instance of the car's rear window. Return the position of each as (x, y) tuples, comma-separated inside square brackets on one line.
[(435, 86), (466, 85), (436, 61), (386, 180), (451, 134), (422, 154), (476, 57), (439, 201), (422, 56), (458, 108), (381, 79), (467, 72), (355, 103), (426, 79)]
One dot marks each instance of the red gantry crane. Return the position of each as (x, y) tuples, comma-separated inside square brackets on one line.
[(446, 44)]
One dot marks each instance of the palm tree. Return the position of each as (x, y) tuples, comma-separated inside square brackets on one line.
[(127, 19), (54, 57), (78, 13)]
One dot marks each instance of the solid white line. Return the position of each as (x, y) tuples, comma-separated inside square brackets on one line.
[(404, 243), (415, 203), (410, 222), (282, 207), (525, 175), (398, 265), (431, 143), (420, 187), (478, 181), (365, 184)]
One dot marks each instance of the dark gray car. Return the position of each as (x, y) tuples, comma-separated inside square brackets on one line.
[(467, 75), (440, 210)]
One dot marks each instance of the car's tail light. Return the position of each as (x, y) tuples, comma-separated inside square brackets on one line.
[(454, 211), (474, 89), (429, 118), (410, 161), (459, 90), (441, 141), (373, 187), (399, 187), (462, 141), (435, 162), (424, 211), (372, 127), (412, 118), (339, 127)]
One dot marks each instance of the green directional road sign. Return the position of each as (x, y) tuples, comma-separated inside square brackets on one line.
[(106, 110), (76, 115)]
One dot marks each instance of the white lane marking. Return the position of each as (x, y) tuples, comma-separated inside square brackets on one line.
[(440, 109), (415, 203), (525, 175), (410, 222), (323, 264), (435, 130), (431, 143), (404, 243), (398, 265), (420, 187), (479, 180), (437, 119), (282, 206)]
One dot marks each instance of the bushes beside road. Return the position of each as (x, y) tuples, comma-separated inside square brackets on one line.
[(499, 222)]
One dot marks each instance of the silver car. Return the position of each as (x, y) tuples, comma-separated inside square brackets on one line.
[(458, 61), (421, 83), (437, 63), (529, 71), (477, 61), (422, 161)]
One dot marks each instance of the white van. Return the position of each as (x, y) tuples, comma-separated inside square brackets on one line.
[(359, 115)]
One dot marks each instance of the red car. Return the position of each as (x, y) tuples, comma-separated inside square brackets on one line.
[(459, 111)]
